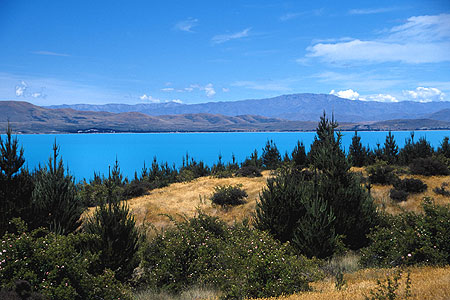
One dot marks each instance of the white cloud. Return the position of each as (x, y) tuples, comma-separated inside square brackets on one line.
[(21, 88), (379, 98), (148, 98), (167, 89), (186, 25), (347, 94), (222, 38), (176, 101), (424, 94), (209, 90), (189, 89), (422, 39), (50, 53), (370, 11)]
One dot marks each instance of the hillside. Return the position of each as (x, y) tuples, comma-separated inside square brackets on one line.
[(299, 107), (28, 118)]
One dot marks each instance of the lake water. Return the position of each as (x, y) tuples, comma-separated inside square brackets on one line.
[(86, 153)]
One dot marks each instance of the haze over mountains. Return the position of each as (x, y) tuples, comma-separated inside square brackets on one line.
[(294, 107), (298, 112)]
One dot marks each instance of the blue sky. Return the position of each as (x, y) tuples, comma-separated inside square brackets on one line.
[(55, 52)]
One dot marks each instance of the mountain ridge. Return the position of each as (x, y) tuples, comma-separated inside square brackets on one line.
[(293, 107)]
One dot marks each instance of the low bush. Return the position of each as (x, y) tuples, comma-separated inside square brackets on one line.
[(410, 238), (428, 167), (411, 185), (240, 261), (398, 195), (443, 190), (56, 266), (381, 173), (249, 171), (228, 195)]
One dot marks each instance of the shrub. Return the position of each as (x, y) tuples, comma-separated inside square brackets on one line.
[(381, 173), (411, 238), (398, 195), (389, 289), (428, 167), (119, 237), (240, 261), (411, 185), (228, 195), (249, 171), (443, 190), (58, 267)]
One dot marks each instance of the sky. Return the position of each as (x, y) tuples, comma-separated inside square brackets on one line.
[(97, 52)]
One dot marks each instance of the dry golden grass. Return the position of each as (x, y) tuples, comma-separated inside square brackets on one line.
[(428, 283), (413, 203), (187, 197)]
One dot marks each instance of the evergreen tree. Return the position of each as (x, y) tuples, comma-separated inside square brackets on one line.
[(314, 234), (413, 150), (444, 149), (357, 152), (56, 202), (341, 189), (281, 203), (299, 155), (119, 237), (271, 157), (16, 183), (390, 150)]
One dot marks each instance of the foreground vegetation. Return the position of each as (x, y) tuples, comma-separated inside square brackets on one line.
[(315, 211)]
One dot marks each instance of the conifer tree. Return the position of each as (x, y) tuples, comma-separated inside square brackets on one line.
[(299, 155), (116, 227), (349, 201), (56, 202), (357, 152), (390, 150), (271, 157), (444, 149), (16, 183)]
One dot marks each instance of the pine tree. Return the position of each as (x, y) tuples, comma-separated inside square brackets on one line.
[(116, 227), (350, 202), (16, 183), (56, 202), (280, 204), (271, 157), (444, 149), (390, 150), (299, 155), (314, 233), (357, 152)]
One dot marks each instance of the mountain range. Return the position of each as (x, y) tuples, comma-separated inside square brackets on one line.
[(294, 107), (298, 112)]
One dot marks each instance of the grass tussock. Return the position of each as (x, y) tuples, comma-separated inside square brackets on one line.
[(187, 197), (200, 293), (428, 283)]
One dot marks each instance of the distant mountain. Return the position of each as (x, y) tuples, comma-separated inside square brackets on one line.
[(442, 115), (25, 117), (28, 118), (295, 107)]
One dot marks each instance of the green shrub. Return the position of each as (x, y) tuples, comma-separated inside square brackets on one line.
[(428, 167), (240, 261), (411, 238), (58, 267), (381, 173), (249, 171), (398, 195), (228, 195), (389, 289), (411, 185), (119, 237), (443, 190)]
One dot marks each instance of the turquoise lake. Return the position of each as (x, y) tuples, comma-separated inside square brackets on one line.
[(86, 153)]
